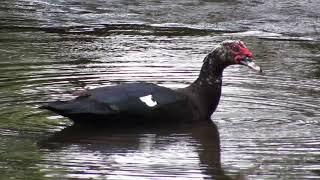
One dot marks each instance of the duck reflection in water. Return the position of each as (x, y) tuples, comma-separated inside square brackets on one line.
[(172, 151)]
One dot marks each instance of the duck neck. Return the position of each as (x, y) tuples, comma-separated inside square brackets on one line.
[(211, 71), (207, 87)]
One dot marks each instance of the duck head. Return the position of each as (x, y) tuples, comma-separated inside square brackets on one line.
[(231, 52)]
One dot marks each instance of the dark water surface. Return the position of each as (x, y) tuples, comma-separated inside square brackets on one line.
[(269, 125)]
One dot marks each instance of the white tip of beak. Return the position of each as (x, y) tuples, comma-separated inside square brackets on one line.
[(252, 65)]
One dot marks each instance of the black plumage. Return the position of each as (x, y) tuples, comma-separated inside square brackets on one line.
[(147, 102), (134, 101)]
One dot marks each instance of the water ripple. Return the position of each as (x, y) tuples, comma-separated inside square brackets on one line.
[(268, 123)]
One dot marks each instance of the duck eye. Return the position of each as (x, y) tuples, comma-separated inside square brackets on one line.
[(235, 48)]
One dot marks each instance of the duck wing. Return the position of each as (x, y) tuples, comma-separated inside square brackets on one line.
[(132, 100)]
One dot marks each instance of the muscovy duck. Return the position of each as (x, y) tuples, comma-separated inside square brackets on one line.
[(147, 102)]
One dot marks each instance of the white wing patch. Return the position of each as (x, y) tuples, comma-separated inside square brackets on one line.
[(148, 100)]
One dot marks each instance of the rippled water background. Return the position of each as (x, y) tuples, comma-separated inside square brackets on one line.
[(268, 124)]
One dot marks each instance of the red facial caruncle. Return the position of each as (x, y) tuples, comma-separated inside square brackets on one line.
[(239, 51)]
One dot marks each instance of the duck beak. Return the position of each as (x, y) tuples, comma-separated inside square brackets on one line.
[(248, 62)]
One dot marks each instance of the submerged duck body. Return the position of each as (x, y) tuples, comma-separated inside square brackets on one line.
[(147, 102)]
